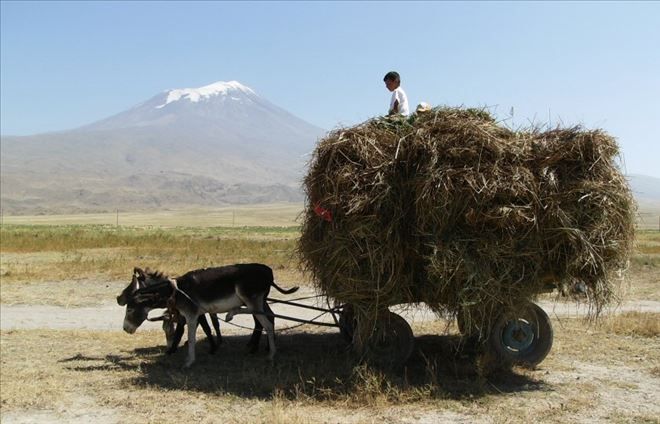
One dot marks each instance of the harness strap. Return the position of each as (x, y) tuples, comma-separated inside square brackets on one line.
[(171, 301)]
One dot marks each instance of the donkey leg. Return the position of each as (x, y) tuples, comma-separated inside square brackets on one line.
[(270, 330), (253, 344), (216, 325), (192, 329), (257, 305), (271, 317), (178, 334), (207, 330)]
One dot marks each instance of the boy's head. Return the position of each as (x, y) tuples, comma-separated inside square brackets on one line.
[(392, 80)]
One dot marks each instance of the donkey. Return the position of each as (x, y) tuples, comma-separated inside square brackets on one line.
[(172, 323), (216, 290)]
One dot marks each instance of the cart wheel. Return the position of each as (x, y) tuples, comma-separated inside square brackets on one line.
[(522, 338), (347, 323), (393, 342)]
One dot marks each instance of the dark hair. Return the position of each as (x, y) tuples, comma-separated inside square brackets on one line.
[(392, 76)]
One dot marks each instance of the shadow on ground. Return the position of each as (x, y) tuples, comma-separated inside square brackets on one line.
[(317, 366)]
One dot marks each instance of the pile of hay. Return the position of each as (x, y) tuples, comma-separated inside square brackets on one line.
[(454, 210)]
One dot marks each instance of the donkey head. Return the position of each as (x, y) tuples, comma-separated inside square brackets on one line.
[(136, 311), (137, 282)]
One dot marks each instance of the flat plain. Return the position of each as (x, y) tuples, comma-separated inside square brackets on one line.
[(606, 369)]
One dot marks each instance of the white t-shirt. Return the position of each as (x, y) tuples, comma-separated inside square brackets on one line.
[(400, 95)]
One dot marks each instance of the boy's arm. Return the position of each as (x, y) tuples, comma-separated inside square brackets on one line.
[(395, 108)]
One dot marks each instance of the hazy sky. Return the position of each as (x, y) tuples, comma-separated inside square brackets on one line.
[(71, 63)]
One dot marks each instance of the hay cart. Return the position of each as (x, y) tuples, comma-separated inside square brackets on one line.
[(521, 337), (455, 210)]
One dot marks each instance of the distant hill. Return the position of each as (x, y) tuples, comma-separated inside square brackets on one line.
[(647, 193), (214, 145), (645, 188)]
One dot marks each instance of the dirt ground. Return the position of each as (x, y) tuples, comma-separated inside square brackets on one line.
[(108, 315), (74, 364)]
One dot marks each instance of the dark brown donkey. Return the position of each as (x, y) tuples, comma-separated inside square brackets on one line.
[(213, 290)]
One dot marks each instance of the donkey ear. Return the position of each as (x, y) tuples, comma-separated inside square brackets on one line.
[(139, 274)]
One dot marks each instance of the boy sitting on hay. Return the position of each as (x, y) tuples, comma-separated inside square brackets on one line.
[(399, 101)]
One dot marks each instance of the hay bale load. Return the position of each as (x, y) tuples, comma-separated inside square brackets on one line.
[(452, 209)]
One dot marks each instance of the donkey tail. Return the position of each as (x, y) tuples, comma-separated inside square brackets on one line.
[(281, 290)]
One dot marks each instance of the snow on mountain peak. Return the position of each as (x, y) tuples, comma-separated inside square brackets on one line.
[(207, 91)]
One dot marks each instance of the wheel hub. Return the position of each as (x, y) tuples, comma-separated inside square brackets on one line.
[(518, 335)]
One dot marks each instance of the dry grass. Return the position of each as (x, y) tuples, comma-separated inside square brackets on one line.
[(644, 272), (315, 380), (648, 243), (85, 265), (38, 253), (268, 215), (634, 324)]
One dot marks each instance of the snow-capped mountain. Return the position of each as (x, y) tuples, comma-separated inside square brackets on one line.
[(233, 90), (182, 146)]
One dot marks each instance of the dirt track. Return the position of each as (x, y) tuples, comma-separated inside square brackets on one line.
[(109, 316)]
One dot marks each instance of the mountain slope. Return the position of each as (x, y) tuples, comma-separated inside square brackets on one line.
[(645, 188), (184, 146)]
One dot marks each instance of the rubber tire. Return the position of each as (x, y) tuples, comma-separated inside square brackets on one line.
[(536, 320), (395, 347)]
